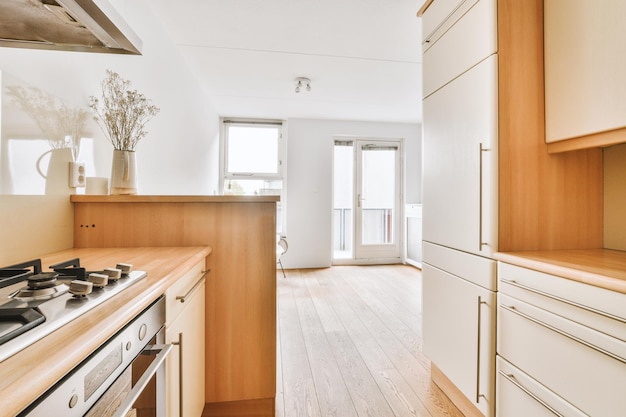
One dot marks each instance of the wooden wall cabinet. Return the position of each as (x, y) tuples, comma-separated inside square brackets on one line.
[(185, 328), (585, 63)]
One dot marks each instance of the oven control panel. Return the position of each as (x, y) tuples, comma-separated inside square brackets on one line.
[(82, 387)]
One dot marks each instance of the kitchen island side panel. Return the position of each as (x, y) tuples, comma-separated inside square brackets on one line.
[(241, 288)]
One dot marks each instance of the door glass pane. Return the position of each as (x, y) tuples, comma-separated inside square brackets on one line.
[(343, 200), (378, 195)]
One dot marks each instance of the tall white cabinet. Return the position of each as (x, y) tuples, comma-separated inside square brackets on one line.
[(460, 198), (490, 183)]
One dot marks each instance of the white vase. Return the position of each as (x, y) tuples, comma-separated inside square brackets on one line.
[(123, 173), (57, 173)]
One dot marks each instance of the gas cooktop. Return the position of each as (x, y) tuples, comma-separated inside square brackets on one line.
[(34, 303)]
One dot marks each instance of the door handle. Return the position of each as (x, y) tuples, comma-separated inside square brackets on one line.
[(127, 404), (512, 380), (480, 197), (478, 343), (180, 373)]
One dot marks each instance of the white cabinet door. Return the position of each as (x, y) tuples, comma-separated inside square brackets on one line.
[(185, 365), (437, 12), (459, 334), (585, 63), (460, 162), (470, 40)]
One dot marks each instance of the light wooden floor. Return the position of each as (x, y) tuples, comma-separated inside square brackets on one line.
[(349, 344)]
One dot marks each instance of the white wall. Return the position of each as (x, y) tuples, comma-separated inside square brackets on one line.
[(309, 181), (179, 154), (176, 157)]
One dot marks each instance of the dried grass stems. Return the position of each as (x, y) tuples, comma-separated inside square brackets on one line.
[(122, 113)]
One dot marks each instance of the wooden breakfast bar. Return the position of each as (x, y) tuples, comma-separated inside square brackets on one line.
[(240, 363)]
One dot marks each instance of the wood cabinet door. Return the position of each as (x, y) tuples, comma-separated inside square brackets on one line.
[(185, 365), (585, 63), (459, 334), (460, 162)]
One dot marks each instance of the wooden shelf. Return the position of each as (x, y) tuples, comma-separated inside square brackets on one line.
[(602, 268), (81, 198)]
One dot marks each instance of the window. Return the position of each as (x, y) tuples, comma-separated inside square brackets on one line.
[(252, 160)]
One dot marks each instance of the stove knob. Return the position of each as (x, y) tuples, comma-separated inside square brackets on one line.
[(113, 273), (80, 288), (98, 280), (126, 268)]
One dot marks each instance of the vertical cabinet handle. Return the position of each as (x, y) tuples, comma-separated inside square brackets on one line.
[(478, 343), (180, 373), (480, 197)]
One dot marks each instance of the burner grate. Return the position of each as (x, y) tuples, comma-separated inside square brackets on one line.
[(13, 274)]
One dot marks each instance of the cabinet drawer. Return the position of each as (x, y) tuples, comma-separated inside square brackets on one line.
[(187, 284), (469, 41), (518, 395), (585, 367), (474, 269), (591, 306)]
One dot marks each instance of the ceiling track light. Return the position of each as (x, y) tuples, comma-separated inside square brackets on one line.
[(302, 82)]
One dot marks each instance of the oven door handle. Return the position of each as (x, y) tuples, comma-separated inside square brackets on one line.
[(127, 404)]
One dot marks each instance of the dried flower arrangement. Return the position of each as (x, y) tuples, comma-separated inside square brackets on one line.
[(62, 125), (123, 113)]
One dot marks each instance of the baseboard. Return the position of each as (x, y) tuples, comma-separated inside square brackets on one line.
[(263, 407), (461, 402)]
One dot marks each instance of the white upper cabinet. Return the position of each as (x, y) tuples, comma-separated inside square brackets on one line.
[(465, 39), (437, 12), (460, 162), (585, 67)]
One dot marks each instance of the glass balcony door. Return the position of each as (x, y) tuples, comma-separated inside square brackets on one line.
[(367, 187)]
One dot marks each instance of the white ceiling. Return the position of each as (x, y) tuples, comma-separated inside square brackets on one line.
[(362, 56)]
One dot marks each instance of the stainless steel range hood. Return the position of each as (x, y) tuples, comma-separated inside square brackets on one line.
[(67, 25)]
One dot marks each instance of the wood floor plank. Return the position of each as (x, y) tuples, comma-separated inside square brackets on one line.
[(300, 396), (356, 350), (389, 312), (366, 396), (332, 392)]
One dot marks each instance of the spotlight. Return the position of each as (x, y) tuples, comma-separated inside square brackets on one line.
[(300, 81)]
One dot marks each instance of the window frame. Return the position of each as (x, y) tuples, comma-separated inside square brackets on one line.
[(224, 175)]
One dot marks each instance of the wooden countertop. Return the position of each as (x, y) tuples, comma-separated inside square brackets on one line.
[(599, 267), (29, 373), (76, 198)]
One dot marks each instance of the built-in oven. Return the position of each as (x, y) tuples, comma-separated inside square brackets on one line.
[(124, 377)]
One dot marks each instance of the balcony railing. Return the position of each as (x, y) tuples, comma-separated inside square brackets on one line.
[(377, 227)]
